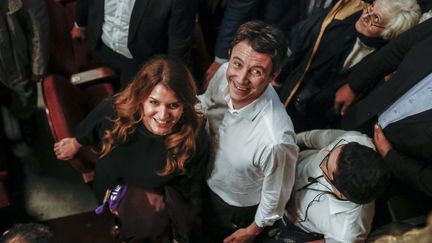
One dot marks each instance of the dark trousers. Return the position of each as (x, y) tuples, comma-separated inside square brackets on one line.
[(125, 66), (141, 222), (222, 219)]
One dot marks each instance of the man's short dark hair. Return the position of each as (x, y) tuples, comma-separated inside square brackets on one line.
[(361, 173), (28, 233), (263, 38)]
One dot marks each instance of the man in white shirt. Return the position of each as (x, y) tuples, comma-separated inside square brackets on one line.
[(254, 149), (338, 178)]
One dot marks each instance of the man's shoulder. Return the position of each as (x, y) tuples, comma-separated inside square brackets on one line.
[(273, 113), (277, 129)]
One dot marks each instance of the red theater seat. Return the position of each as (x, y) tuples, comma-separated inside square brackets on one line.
[(66, 105)]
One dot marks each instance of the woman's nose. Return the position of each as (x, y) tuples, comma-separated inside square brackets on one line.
[(163, 113)]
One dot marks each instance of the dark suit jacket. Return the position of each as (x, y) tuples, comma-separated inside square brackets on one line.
[(156, 26), (282, 14), (411, 156), (311, 107)]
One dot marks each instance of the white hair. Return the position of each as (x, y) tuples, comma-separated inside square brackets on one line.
[(403, 14)]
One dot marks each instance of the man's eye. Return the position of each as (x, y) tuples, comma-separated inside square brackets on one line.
[(236, 64), (256, 72)]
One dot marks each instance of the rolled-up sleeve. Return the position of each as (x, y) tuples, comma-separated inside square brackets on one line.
[(278, 168)]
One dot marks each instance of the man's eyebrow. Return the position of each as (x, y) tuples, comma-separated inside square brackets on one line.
[(237, 58)]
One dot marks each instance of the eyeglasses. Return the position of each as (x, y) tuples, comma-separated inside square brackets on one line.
[(371, 18), (313, 180), (325, 161)]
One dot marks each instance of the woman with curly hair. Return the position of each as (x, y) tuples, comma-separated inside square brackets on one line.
[(152, 152)]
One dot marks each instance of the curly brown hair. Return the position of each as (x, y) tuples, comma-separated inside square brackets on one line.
[(173, 74)]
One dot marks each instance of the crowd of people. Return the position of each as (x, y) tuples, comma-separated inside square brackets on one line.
[(313, 116)]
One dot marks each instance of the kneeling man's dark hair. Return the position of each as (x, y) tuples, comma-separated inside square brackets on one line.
[(361, 173)]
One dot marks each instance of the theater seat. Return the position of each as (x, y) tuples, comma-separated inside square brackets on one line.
[(66, 105)]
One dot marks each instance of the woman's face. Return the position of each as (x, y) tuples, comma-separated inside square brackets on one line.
[(162, 110), (373, 20)]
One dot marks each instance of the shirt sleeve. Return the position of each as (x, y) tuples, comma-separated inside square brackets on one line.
[(278, 167), (236, 13), (318, 139), (90, 130), (81, 13)]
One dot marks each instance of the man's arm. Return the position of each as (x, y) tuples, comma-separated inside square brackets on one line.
[(318, 139), (81, 13), (278, 167), (181, 26), (417, 172), (237, 12), (78, 31), (37, 26)]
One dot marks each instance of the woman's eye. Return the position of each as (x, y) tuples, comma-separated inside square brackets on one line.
[(153, 102), (174, 106)]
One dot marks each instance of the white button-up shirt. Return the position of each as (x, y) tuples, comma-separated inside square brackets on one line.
[(115, 29), (254, 150), (337, 220)]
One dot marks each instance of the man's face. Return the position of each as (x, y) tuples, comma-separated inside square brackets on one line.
[(248, 74), (329, 167)]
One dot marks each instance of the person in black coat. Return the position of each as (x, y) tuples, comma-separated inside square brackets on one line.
[(405, 144), (155, 27)]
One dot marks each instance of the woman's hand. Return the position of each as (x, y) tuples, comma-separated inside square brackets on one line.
[(66, 148), (156, 201)]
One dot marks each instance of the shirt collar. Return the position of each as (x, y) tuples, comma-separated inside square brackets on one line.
[(251, 111)]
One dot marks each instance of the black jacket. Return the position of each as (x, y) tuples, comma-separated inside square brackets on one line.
[(325, 74), (156, 26)]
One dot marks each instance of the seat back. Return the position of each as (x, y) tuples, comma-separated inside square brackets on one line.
[(66, 105)]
